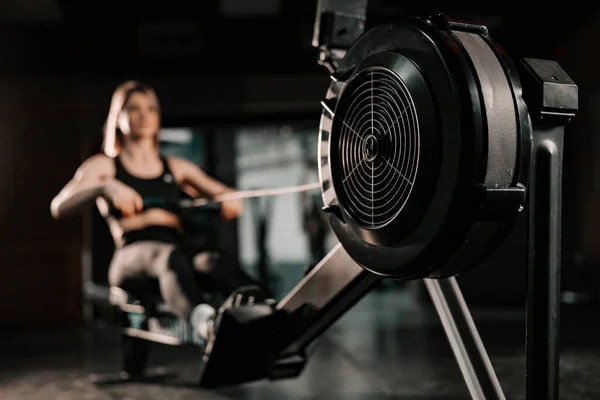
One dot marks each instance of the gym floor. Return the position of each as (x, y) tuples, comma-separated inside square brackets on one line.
[(387, 347)]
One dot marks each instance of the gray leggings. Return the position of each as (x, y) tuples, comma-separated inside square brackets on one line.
[(166, 263)]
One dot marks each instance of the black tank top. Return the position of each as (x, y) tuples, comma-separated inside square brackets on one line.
[(163, 187)]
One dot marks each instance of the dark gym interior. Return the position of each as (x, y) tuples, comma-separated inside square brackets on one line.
[(240, 89)]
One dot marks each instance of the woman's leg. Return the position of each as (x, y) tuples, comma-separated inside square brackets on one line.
[(175, 277), (128, 263), (180, 291)]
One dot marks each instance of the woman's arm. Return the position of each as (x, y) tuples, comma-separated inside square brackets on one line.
[(87, 185), (189, 174)]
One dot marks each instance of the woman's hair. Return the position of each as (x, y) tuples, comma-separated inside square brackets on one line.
[(113, 136)]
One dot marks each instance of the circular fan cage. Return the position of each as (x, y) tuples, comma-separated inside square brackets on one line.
[(377, 147), (419, 124)]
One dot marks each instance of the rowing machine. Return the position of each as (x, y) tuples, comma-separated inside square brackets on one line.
[(432, 141)]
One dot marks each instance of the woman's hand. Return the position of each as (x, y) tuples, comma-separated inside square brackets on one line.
[(231, 209), (123, 197)]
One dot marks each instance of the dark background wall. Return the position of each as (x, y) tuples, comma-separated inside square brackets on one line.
[(40, 261)]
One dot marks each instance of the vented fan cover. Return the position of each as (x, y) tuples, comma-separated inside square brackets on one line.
[(377, 142)]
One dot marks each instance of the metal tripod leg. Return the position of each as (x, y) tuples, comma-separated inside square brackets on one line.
[(464, 339)]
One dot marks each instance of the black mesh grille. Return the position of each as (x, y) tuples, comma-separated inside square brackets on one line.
[(378, 142)]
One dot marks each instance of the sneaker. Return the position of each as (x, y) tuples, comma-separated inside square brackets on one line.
[(202, 320)]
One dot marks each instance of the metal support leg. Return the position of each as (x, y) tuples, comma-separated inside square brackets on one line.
[(464, 339), (543, 298)]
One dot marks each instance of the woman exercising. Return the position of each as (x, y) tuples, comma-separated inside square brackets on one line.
[(131, 168)]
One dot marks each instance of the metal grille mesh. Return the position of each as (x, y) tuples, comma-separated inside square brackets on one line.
[(377, 148)]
